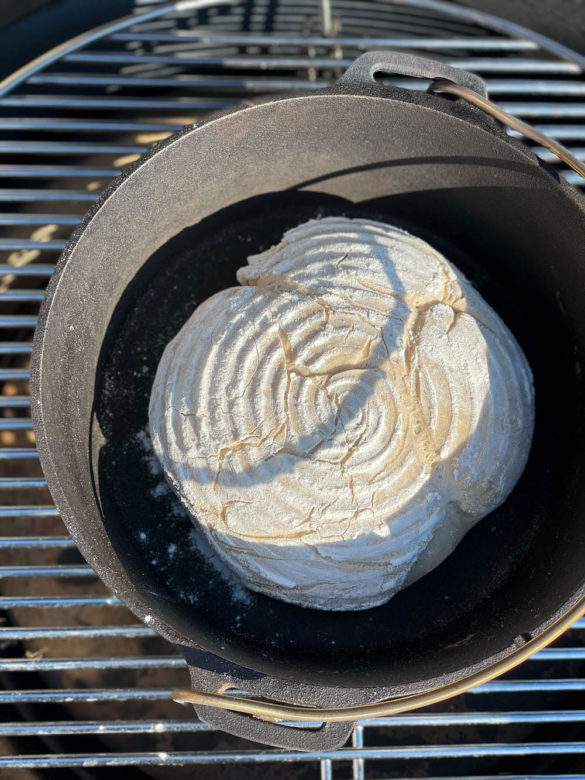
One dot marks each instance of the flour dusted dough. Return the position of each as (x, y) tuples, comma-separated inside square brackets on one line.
[(342, 419)]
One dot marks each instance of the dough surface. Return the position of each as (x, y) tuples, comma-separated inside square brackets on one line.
[(338, 422)]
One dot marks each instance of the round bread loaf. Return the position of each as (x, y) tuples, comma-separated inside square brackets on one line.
[(339, 421)]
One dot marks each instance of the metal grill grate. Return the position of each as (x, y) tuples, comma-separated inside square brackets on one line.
[(83, 686)]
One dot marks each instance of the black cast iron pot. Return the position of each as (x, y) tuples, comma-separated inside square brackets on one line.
[(172, 231)]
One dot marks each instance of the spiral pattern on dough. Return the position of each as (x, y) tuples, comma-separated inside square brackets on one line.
[(338, 422)]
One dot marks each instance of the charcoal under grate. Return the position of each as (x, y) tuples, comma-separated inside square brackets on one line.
[(83, 688)]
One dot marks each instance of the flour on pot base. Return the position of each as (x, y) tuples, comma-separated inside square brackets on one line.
[(339, 421)]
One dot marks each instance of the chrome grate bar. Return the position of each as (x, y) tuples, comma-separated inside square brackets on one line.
[(183, 758), (251, 39)]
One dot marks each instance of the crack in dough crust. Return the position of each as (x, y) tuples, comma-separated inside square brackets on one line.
[(338, 422)]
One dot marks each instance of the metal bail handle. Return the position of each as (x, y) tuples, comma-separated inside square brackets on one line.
[(269, 710), (468, 86), (491, 108)]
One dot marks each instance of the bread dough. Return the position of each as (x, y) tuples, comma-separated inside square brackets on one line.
[(338, 422)]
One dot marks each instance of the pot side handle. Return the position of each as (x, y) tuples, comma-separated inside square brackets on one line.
[(215, 675), (392, 63), (452, 81)]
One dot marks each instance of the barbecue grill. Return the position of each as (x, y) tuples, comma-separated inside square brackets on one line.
[(83, 688)]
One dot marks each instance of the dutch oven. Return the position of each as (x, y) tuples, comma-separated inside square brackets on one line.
[(172, 231)]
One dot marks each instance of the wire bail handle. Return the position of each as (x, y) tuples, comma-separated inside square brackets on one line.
[(442, 86), (470, 87)]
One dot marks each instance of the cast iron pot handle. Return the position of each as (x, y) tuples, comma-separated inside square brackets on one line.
[(453, 81), (392, 63), (211, 673)]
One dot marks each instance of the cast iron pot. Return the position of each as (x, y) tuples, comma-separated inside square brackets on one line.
[(171, 232)]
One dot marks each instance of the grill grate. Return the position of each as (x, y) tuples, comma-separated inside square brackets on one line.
[(81, 685)]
